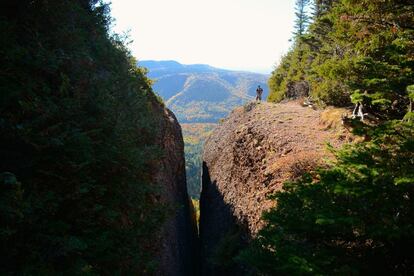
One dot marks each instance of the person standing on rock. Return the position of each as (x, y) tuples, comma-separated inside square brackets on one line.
[(259, 92)]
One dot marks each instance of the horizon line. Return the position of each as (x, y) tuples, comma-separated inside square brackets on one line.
[(262, 71)]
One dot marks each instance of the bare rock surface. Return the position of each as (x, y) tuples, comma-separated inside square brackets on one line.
[(248, 157), (178, 241)]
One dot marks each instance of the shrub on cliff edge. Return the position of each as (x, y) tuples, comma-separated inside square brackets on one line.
[(357, 217)]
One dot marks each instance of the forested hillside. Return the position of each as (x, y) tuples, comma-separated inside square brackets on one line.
[(350, 51), (81, 139), (201, 93), (194, 137), (354, 215)]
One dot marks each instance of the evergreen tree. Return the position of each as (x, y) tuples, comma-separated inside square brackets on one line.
[(359, 48), (302, 17), (354, 218)]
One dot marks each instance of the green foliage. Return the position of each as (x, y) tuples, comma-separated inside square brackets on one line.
[(410, 114), (194, 136), (364, 46), (193, 165), (302, 17), (227, 249), (354, 218), (357, 216), (77, 144)]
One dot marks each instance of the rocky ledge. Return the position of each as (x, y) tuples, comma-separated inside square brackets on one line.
[(247, 158)]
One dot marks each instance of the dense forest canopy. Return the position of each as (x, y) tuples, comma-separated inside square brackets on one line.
[(355, 216), (77, 144), (359, 51)]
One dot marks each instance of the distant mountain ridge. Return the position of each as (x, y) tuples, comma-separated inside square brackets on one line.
[(200, 92), (172, 66)]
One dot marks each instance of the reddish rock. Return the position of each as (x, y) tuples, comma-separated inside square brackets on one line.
[(248, 157)]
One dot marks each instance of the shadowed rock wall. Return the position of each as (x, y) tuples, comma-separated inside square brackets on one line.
[(178, 253)]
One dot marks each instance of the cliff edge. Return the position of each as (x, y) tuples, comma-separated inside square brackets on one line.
[(178, 239), (247, 158)]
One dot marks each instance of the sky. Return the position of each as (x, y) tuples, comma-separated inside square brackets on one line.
[(249, 35)]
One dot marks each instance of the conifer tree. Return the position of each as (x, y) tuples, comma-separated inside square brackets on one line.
[(354, 216), (302, 17)]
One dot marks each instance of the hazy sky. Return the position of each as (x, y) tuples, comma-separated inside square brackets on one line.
[(235, 34)]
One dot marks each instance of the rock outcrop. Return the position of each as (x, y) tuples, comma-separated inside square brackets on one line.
[(178, 241), (247, 158)]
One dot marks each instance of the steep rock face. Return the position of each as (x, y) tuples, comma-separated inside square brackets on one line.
[(178, 239), (247, 158)]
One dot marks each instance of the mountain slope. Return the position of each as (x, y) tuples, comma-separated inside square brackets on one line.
[(202, 93)]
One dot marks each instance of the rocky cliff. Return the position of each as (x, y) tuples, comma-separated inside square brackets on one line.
[(178, 241), (247, 158), (91, 163)]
